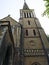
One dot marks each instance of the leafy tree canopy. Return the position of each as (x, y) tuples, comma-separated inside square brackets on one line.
[(48, 37), (46, 12)]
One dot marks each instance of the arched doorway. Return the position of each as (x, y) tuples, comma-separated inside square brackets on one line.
[(36, 63)]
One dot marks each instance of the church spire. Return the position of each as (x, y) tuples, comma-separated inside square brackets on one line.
[(24, 1), (25, 5)]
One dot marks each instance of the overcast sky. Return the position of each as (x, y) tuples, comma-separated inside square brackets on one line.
[(13, 7)]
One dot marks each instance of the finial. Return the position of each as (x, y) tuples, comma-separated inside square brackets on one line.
[(9, 15)]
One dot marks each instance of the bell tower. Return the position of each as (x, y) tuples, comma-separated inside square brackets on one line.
[(36, 46)]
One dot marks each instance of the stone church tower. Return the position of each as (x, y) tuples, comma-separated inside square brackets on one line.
[(26, 42), (36, 46)]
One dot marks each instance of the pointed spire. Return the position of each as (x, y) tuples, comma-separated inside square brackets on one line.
[(25, 5), (24, 1)]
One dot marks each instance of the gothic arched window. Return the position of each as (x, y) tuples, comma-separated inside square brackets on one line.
[(25, 15), (34, 32), (26, 32), (30, 15), (28, 22)]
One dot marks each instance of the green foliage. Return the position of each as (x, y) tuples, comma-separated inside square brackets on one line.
[(46, 12), (48, 37)]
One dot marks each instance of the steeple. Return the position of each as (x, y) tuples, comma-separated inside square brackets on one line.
[(24, 0), (25, 6)]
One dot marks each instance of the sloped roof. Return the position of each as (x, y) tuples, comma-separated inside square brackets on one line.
[(25, 6), (8, 18)]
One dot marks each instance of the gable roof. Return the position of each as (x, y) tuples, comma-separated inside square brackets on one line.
[(8, 18)]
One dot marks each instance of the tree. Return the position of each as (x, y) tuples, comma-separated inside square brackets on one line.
[(46, 12), (48, 37)]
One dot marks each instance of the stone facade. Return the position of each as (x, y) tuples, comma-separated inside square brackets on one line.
[(35, 41), (30, 41)]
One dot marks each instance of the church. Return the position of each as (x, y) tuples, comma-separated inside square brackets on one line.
[(23, 42)]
